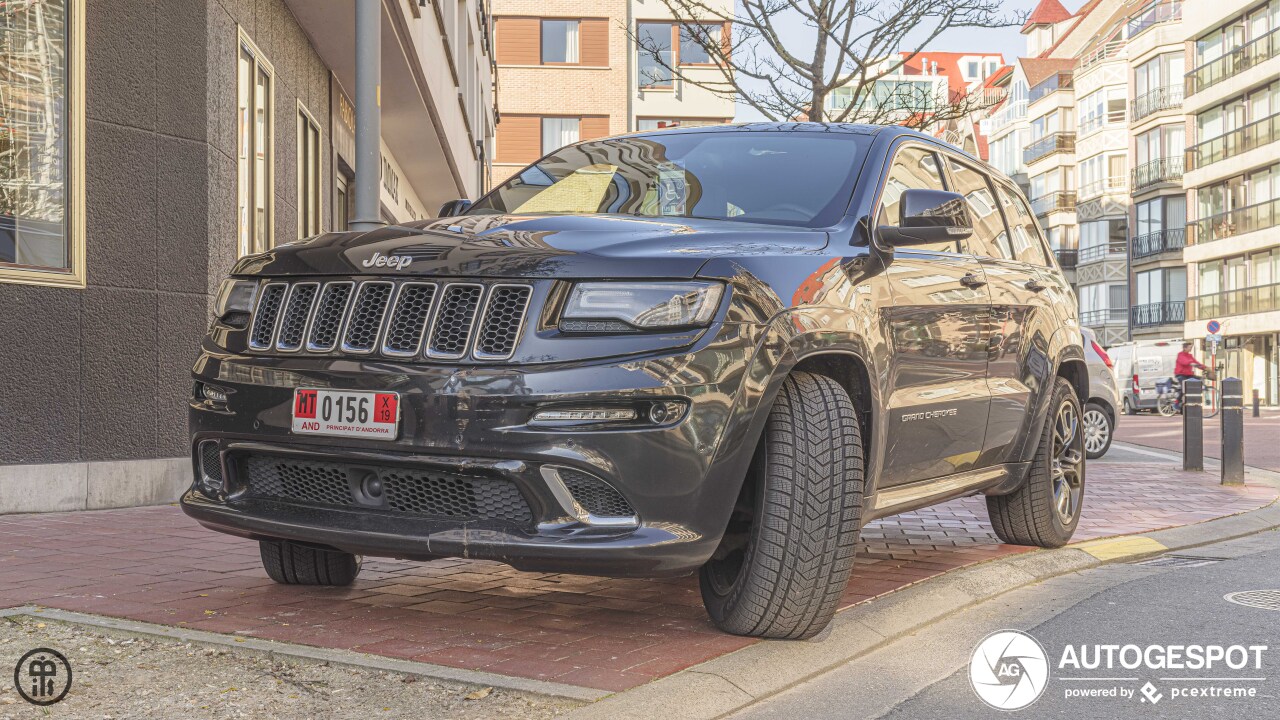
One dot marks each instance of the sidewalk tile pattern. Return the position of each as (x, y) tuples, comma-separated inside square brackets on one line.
[(155, 565)]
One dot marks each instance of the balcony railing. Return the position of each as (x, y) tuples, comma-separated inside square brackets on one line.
[(1160, 170), (1234, 62), (1242, 139), (1117, 184), (1067, 258), (1168, 97), (1048, 145), (1054, 202), (1161, 313), (1106, 316), (1007, 116), (1051, 84), (1234, 222), (1153, 14), (1160, 241), (1102, 53), (1262, 298), (1094, 253)]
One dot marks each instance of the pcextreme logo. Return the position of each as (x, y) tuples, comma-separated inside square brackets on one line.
[(1009, 670)]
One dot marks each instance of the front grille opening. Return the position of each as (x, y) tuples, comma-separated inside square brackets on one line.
[(453, 323), (328, 319), (409, 320), (366, 317), (264, 324), (211, 478), (503, 318), (407, 491), (595, 495), (296, 313)]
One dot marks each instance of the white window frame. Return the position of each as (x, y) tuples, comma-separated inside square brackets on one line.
[(310, 160), (245, 148)]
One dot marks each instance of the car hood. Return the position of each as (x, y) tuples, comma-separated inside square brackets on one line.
[(533, 246)]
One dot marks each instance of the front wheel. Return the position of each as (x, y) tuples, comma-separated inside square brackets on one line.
[(1044, 512), (1167, 406), (786, 556), (1098, 430), (1129, 408), (291, 563)]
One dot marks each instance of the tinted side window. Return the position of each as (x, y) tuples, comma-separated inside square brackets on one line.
[(989, 236), (912, 168), (1028, 245)]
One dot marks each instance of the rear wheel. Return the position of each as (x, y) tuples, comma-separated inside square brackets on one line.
[(1044, 512), (1129, 408), (1098, 430), (290, 563), (786, 556)]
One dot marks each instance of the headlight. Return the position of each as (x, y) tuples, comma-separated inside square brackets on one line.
[(234, 296), (627, 307)]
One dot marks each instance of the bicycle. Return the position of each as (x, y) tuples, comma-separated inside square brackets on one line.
[(1167, 398)]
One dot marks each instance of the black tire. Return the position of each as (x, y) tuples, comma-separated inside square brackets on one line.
[(290, 563), (1097, 419), (786, 557), (1129, 408), (1032, 515)]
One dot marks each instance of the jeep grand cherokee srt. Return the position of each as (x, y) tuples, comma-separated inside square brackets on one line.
[(720, 350)]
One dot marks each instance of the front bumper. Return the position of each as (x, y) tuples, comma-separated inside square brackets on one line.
[(681, 479)]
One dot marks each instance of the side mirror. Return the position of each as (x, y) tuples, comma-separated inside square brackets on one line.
[(928, 216), (454, 207)]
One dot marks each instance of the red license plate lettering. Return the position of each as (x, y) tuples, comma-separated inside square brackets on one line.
[(384, 408), (305, 404)]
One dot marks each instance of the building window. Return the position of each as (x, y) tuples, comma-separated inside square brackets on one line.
[(558, 132), (308, 174), (42, 143), (656, 55), (256, 84), (560, 42), (693, 50)]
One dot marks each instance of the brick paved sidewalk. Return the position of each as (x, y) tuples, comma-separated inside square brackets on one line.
[(156, 565)]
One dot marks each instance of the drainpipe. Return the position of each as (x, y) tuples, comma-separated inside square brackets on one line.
[(368, 115)]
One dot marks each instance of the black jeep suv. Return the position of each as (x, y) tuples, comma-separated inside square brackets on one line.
[(720, 350)]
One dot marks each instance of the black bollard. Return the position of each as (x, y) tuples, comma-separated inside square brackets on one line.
[(1232, 431), (1193, 425), (1257, 402)]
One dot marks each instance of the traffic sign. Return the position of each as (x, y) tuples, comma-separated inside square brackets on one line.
[(1213, 326), (1213, 339)]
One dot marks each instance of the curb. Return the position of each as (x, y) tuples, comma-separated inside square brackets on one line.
[(731, 682), (307, 652)]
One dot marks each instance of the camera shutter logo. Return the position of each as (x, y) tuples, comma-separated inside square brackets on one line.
[(1009, 670), (42, 676)]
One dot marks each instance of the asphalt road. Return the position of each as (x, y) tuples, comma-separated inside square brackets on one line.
[(927, 675), (1261, 436)]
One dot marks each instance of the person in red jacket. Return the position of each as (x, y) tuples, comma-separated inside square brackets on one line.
[(1184, 368)]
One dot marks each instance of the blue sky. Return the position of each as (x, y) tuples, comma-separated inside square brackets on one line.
[(1003, 40)]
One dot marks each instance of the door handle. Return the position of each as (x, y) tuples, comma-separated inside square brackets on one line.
[(1034, 285), (972, 281)]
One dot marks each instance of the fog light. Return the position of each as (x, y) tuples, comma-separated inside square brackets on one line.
[(590, 415), (214, 394), (670, 411)]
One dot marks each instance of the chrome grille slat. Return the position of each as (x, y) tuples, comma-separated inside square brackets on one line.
[(456, 321), (266, 315), (451, 329), (297, 313)]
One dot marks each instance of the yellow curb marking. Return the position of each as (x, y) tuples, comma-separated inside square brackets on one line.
[(1120, 547)]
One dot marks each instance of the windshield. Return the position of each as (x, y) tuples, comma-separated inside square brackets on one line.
[(783, 178)]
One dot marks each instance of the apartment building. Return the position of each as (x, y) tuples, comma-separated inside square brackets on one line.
[(141, 153), (1232, 180), (568, 71)]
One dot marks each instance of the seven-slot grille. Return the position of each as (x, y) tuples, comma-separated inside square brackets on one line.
[(445, 321)]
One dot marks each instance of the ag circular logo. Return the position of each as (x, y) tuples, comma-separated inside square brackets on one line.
[(42, 676), (1009, 670)]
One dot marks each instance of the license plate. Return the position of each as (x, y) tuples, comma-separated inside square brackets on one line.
[(346, 413)]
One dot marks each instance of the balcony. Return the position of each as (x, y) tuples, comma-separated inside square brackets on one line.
[(1006, 116), (1160, 170), (1067, 259), (1263, 298), (1107, 316), (1101, 54), (1054, 202), (1048, 145), (1168, 97), (1114, 185), (1159, 242), (1161, 313), (1235, 222), (1096, 253), (1051, 84), (1153, 14), (1233, 62), (1242, 139)]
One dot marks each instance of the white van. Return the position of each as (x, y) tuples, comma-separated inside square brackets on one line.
[(1139, 366)]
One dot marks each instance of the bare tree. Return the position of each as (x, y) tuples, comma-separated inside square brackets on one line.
[(784, 57)]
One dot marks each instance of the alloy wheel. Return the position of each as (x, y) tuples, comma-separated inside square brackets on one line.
[(1067, 462), (1096, 429)]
